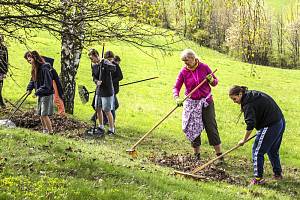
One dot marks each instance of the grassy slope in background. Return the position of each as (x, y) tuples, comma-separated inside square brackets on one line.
[(34, 165)]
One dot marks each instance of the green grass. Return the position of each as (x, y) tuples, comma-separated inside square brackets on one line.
[(36, 166)]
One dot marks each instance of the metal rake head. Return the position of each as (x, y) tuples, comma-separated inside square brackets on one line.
[(132, 152)]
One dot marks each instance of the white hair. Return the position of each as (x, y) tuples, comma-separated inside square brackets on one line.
[(188, 53)]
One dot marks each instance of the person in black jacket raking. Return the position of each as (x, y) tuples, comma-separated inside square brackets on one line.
[(262, 113), (3, 67), (41, 81), (104, 94)]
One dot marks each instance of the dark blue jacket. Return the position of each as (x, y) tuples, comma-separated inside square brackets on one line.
[(260, 110), (43, 85)]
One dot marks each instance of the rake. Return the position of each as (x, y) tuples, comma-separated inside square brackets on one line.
[(197, 169), (8, 122)]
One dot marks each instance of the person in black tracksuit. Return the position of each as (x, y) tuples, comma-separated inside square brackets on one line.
[(3, 67), (41, 81), (262, 113)]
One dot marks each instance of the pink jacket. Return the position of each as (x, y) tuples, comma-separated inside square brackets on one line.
[(191, 79)]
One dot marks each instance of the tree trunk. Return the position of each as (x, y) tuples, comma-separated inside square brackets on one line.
[(72, 45), (70, 57)]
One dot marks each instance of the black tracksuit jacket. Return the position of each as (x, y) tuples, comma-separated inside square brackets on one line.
[(260, 110)]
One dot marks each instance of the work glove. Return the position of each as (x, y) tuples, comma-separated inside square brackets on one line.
[(210, 78), (179, 102)]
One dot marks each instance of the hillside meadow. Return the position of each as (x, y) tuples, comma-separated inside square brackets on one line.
[(37, 166)]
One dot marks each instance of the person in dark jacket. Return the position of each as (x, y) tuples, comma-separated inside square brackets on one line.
[(57, 86), (3, 67), (41, 81), (104, 95), (117, 76), (262, 113)]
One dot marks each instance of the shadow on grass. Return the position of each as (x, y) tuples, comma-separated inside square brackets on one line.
[(289, 185)]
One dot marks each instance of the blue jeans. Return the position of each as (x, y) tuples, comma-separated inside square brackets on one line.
[(268, 140)]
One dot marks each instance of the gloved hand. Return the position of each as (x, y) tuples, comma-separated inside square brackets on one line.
[(179, 102), (28, 92), (98, 83), (210, 78)]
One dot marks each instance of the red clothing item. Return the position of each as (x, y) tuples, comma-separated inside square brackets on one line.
[(191, 79), (58, 101)]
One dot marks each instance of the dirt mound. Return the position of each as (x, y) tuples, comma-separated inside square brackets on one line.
[(186, 163), (60, 124)]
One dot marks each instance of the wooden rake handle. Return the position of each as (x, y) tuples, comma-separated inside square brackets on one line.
[(197, 169), (156, 125), (198, 86), (167, 115)]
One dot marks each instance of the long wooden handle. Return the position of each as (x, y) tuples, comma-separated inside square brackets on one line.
[(167, 115), (156, 125), (130, 83), (198, 86), (138, 81), (218, 157)]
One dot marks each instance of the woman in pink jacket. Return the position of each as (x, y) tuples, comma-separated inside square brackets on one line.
[(198, 110)]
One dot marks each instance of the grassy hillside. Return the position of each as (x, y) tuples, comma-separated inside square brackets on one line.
[(40, 166)]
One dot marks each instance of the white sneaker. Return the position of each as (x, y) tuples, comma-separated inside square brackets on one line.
[(45, 131)]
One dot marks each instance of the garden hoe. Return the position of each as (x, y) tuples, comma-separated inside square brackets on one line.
[(132, 151), (7, 122), (197, 169)]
